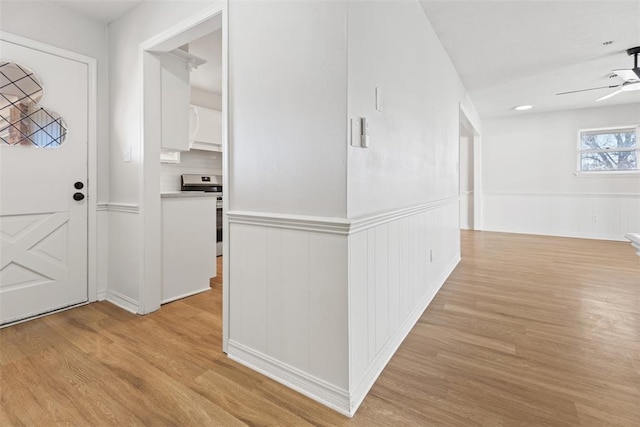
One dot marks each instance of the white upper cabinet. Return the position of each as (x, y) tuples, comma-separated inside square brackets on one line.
[(175, 102), (205, 128)]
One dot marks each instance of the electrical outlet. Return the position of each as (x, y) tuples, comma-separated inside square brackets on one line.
[(594, 218), (431, 255)]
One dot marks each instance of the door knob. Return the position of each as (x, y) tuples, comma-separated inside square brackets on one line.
[(78, 196), (78, 185)]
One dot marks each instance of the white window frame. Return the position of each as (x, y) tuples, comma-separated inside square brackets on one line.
[(579, 170)]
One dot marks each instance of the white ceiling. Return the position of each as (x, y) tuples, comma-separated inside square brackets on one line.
[(99, 10), (510, 53), (507, 53)]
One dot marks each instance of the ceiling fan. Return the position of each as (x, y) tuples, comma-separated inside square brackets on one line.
[(630, 79)]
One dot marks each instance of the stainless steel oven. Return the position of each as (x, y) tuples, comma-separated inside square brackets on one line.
[(209, 184)]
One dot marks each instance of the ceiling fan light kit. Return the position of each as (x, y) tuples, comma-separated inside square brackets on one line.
[(630, 78)]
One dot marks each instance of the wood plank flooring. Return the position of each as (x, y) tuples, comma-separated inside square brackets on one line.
[(528, 330)]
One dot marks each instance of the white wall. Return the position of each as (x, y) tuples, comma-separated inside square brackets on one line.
[(405, 185), (529, 184), (414, 141), (288, 85), (125, 35)]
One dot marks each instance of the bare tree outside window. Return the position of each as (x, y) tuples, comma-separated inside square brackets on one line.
[(609, 150)]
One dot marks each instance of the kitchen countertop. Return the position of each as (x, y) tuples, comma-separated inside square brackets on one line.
[(171, 194)]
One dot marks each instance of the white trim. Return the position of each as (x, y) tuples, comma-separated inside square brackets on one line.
[(374, 220), (376, 366), (92, 148), (150, 278), (330, 225), (635, 240), (636, 126), (118, 207), (291, 222), (567, 234), (43, 47), (302, 382), (188, 294), (581, 195), (122, 301), (153, 44), (225, 175), (608, 174)]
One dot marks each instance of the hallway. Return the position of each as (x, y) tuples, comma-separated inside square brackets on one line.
[(528, 330)]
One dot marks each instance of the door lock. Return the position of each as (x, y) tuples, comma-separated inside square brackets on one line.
[(78, 185)]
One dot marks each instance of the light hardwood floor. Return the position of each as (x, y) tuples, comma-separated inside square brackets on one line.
[(528, 330)]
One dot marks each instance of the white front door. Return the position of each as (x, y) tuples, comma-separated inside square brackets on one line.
[(43, 157)]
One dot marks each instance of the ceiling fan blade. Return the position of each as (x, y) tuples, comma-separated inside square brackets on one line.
[(585, 90), (627, 75), (610, 95), (628, 87)]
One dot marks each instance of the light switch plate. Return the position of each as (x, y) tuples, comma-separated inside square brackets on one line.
[(356, 132), (364, 132)]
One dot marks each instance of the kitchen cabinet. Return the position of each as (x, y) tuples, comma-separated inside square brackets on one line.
[(174, 78), (205, 128), (188, 244)]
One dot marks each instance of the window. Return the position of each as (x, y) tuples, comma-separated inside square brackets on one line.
[(23, 122), (609, 150)]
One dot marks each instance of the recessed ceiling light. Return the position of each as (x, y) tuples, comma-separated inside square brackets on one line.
[(607, 43), (523, 107)]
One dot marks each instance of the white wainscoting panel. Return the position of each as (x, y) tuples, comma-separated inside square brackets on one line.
[(124, 242), (392, 279), (322, 304), (592, 216), (288, 298)]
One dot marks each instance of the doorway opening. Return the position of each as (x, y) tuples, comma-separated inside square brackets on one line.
[(200, 28), (469, 175), (466, 179)]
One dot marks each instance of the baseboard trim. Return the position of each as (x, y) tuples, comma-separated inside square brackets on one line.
[(368, 378), (188, 294), (581, 195), (592, 236), (302, 382), (101, 296), (634, 238), (330, 225), (122, 301)]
